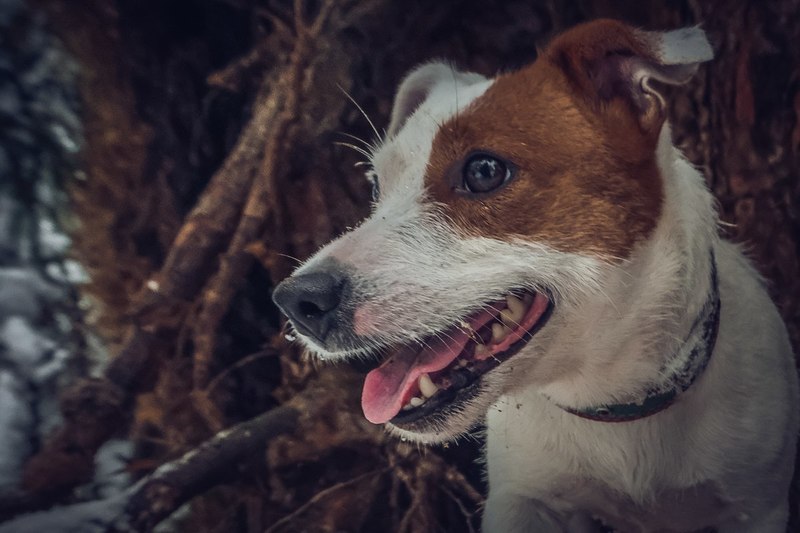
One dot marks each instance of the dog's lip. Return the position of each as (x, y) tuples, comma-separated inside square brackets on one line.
[(392, 385), (470, 381), (395, 379)]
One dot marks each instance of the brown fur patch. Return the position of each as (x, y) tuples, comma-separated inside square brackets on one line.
[(586, 178)]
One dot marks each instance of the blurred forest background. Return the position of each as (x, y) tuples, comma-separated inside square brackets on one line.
[(162, 164)]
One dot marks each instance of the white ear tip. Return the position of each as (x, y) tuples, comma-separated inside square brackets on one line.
[(414, 89), (682, 46), (428, 73), (419, 83)]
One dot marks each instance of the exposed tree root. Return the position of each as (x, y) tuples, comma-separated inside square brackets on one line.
[(213, 462), (262, 200)]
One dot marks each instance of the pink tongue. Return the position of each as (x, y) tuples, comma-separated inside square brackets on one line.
[(388, 387)]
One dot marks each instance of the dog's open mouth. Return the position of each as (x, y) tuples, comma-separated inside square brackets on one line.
[(420, 379)]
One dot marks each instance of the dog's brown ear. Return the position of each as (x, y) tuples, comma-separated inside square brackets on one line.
[(611, 63), (419, 83)]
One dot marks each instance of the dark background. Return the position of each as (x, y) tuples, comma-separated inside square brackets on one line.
[(210, 162)]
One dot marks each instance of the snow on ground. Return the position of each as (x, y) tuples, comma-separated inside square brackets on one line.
[(36, 349), (109, 494), (41, 351), (88, 517), (110, 476), (16, 425)]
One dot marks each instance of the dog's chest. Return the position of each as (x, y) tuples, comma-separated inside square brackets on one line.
[(633, 481), (672, 510)]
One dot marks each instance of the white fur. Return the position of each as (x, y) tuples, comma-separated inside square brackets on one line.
[(732, 434), (722, 455), (681, 47)]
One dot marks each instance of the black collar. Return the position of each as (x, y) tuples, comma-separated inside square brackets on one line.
[(684, 368)]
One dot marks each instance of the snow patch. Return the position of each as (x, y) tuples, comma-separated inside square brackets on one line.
[(16, 425), (25, 346), (88, 517)]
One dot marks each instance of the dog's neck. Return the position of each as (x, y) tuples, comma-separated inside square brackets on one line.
[(679, 373), (639, 325)]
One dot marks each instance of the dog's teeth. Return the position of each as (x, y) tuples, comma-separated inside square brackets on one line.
[(499, 332), (426, 386), (516, 306), (480, 349), (508, 318), (415, 401)]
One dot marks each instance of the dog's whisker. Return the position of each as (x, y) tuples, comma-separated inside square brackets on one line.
[(293, 258), (354, 147), (367, 146), (363, 113), (609, 300)]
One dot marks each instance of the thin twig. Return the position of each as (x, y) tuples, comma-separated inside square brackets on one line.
[(321, 495), (246, 360), (464, 511), (457, 478)]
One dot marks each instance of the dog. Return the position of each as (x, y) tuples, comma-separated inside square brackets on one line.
[(542, 257)]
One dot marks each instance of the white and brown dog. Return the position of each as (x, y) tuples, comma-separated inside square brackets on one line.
[(540, 251)]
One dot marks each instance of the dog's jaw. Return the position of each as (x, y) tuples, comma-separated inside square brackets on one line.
[(455, 421), (449, 297)]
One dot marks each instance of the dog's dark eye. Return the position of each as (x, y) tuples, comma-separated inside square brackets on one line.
[(372, 178), (484, 173)]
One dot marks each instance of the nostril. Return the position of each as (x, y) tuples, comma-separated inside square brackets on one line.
[(310, 309)]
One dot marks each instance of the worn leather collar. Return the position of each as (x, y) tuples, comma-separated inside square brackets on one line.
[(683, 369)]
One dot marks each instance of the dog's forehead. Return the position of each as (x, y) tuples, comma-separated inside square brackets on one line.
[(401, 162)]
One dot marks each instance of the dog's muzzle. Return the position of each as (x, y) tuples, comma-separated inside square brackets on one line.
[(417, 379)]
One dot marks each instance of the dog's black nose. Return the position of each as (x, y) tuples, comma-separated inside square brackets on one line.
[(310, 301)]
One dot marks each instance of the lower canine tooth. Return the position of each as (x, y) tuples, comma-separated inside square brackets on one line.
[(480, 349), (499, 332), (426, 386), (415, 401)]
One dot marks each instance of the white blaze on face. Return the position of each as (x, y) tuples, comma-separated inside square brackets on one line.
[(412, 272), (394, 253)]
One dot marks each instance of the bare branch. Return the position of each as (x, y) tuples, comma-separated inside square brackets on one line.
[(158, 495)]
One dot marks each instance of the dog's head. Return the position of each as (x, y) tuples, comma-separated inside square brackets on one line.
[(500, 205)]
